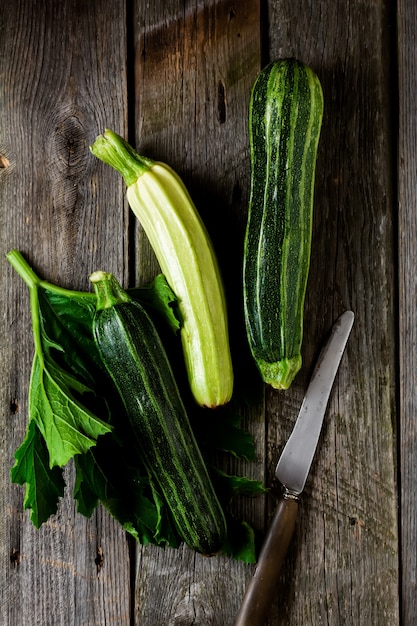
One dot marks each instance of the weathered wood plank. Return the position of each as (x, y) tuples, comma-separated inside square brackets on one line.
[(62, 79), (407, 229), (343, 567), (195, 64), (62, 72)]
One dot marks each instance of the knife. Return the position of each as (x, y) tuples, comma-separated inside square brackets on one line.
[(292, 471)]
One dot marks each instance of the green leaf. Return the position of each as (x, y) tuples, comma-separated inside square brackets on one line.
[(66, 325), (229, 486), (44, 486), (164, 530), (102, 474), (226, 434), (69, 389), (240, 542), (159, 298), (246, 486), (66, 425)]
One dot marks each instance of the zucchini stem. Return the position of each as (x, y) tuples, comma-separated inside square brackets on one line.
[(116, 152), (33, 281), (108, 290), (22, 267)]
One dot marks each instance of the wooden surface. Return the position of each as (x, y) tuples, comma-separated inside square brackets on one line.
[(407, 283), (175, 77)]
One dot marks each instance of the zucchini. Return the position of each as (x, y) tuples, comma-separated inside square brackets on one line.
[(285, 117), (185, 253), (136, 361)]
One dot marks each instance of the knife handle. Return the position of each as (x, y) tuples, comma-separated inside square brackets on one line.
[(262, 586)]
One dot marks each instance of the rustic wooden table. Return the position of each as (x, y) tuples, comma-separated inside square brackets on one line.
[(175, 77)]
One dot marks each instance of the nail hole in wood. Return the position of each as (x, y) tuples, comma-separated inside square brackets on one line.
[(99, 560), (14, 557)]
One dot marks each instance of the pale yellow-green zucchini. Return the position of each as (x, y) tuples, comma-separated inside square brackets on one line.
[(161, 202)]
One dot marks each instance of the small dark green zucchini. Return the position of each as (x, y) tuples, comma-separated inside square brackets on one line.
[(135, 358), (285, 117)]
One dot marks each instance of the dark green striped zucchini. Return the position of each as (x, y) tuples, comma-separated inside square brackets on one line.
[(285, 117), (133, 355)]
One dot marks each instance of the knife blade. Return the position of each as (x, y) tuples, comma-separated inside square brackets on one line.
[(292, 471)]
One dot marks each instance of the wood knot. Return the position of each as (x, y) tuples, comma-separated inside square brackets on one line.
[(70, 144), (4, 161)]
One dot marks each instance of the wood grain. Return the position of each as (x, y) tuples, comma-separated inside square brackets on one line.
[(407, 227), (62, 68), (175, 77), (347, 538), (195, 64)]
